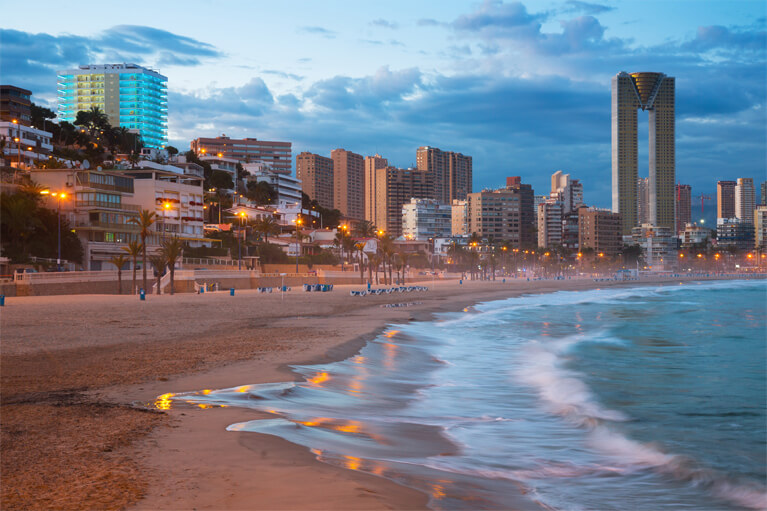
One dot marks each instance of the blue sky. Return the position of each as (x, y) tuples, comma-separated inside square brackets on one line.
[(523, 87)]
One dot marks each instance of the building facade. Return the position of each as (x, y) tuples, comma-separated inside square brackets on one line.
[(733, 232), (276, 155), (450, 173), (528, 216), (287, 187), (372, 165), (348, 183), (15, 103), (426, 218), (654, 92), (24, 145), (131, 96), (459, 219), (567, 191), (683, 207), (496, 214), (600, 230), (760, 227), (393, 188), (658, 245), (316, 175), (550, 223), (725, 199), (745, 199)]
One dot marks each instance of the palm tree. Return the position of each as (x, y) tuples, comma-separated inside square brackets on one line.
[(387, 250), (265, 226), (403, 257), (172, 250), (119, 261), (144, 220), (359, 247), (365, 229), (158, 261), (134, 249)]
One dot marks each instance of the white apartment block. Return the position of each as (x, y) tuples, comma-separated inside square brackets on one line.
[(426, 218), (550, 223)]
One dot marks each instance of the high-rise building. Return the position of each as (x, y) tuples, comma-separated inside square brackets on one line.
[(316, 175), (567, 191), (653, 92), (550, 223), (277, 155), (600, 230), (460, 221), (528, 217), (763, 194), (496, 214), (426, 218), (349, 183), (745, 200), (450, 173), (393, 188), (734, 232), (725, 199), (643, 200), (372, 164), (15, 104), (683, 207), (131, 96)]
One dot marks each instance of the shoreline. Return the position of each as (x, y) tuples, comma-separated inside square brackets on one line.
[(218, 472)]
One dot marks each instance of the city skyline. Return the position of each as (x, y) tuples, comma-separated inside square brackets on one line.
[(522, 87)]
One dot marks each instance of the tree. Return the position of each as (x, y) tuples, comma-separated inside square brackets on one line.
[(261, 192), (134, 249), (360, 247), (172, 151), (221, 180), (144, 220), (365, 229), (387, 249), (40, 115), (119, 261), (172, 251), (158, 262), (265, 226)]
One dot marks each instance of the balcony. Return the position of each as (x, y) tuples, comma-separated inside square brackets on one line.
[(105, 204)]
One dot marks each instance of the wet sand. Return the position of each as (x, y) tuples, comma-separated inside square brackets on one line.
[(79, 375)]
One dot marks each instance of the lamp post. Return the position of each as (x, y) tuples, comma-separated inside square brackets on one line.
[(298, 239), (242, 215), (59, 196), (165, 207)]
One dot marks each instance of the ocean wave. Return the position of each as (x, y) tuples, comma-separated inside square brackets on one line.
[(564, 393)]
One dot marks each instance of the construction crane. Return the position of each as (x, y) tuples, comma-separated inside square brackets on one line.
[(703, 198)]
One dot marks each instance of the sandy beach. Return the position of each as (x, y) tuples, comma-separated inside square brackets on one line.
[(80, 375)]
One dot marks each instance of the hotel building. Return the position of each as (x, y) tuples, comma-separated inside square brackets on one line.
[(316, 175), (600, 230), (348, 183), (450, 173), (131, 96), (725, 199), (277, 155), (683, 207), (655, 93)]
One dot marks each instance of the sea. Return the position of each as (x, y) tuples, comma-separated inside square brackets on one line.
[(642, 398)]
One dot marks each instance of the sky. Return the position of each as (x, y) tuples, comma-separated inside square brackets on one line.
[(522, 87)]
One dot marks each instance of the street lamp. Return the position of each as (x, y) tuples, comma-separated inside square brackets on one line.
[(298, 239), (242, 215), (165, 207), (59, 196)]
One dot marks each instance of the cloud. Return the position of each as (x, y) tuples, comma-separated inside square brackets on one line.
[(27, 59), (319, 31), (429, 22), (723, 38), (384, 24), (283, 74), (586, 8)]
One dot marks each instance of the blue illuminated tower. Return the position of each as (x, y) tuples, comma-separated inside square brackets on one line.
[(131, 96)]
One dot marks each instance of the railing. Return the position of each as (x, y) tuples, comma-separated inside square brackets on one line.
[(108, 225), (105, 204), (192, 261), (67, 276)]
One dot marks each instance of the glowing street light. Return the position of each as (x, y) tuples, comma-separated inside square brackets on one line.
[(59, 196)]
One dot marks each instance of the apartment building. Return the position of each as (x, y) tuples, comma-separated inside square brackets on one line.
[(725, 199), (550, 214), (277, 155), (372, 165), (528, 215), (426, 218), (683, 207), (600, 230), (459, 218), (745, 199), (393, 188), (348, 183), (450, 173), (316, 174), (496, 214)]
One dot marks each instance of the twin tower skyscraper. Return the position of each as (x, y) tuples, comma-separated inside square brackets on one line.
[(653, 92)]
